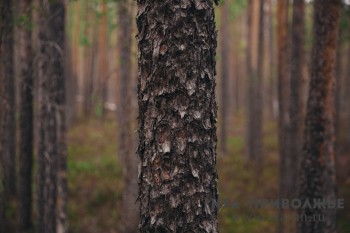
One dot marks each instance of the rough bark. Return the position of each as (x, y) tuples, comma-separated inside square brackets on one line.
[(26, 119), (130, 216), (224, 76), (283, 118), (317, 170), (297, 104), (177, 116), (51, 150)]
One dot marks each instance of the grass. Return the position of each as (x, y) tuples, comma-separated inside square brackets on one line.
[(95, 182)]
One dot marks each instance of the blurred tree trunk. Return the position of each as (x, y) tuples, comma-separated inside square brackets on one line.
[(224, 76), (282, 57), (317, 171), (5, 31), (297, 103), (250, 86), (130, 216), (91, 55), (258, 95), (103, 60), (177, 118), (26, 117), (272, 62), (52, 186)]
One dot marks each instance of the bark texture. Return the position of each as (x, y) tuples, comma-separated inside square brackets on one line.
[(177, 116), (26, 119), (130, 216), (51, 150), (317, 171), (297, 103)]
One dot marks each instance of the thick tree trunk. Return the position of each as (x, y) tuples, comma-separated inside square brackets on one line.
[(26, 119), (51, 153), (177, 116), (297, 104), (130, 216), (317, 170), (224, 76), (283, 118)]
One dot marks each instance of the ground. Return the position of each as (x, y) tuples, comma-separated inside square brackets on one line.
[(95, 182)]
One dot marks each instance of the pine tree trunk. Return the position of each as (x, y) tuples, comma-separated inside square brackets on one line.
[(177, 116), (130, 216), (258, 95), (250, 86), (4, 5), (52, 150), (297, 104), (283, 118), (26, 119), (224, 76), (103, 60), (317, 170)]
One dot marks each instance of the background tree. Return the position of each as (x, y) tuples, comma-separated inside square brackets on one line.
[(7, 133), (130, 216), (224, 75), (26, 116), (297, 87), (318, 171), (283, 118), (177, 116), (51, 150)]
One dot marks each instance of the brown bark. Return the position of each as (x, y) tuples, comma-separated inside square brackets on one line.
[(224, 76), (283, 118), (317, 169), (258, 95), (52, 150), (130, 216), (250, 86), (103, 59), (177, 116), (297, 105), (4, 7), (26, 119)]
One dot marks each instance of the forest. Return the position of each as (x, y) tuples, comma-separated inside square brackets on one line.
[(124, 116)]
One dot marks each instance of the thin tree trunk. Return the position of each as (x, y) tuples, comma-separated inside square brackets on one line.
[(130, 216), (224, 76), (250, 86), (317, 171), (297, 104), (51, 151), (177, 116), (282, 57), (26, 119), (103, 60), (258, 95), (4, 31)]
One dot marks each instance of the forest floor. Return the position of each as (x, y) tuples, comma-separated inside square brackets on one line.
[(95, 182)]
